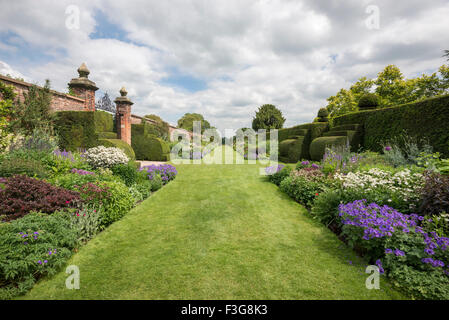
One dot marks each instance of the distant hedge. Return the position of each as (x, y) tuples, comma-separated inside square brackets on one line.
[(427, 118), (76, 129), (119, 144), (104, 121)]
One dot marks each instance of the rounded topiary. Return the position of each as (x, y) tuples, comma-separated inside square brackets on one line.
[(368, 101), (322, 115), (149, 147)]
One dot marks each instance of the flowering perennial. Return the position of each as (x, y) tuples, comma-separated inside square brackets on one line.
[(103, 157), (166, 171)]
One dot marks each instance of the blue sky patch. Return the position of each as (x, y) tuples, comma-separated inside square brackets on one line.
[(104, 29), (184, 81)]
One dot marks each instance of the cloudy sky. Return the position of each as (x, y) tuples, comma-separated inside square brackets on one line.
[(223, 58)]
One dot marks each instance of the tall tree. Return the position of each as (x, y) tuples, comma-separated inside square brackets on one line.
[(186, 122), (34, 112), (268, 117)]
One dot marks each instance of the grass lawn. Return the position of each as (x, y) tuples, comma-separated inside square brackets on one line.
[(216, 232)]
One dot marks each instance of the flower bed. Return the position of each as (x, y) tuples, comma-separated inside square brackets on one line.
[(45, 220), (394, 216)]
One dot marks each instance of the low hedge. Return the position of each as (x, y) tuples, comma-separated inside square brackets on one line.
[(427, 118), (104, 121), (318, 146), (148, 147), (107, 135), (127, 149), (76, 129)]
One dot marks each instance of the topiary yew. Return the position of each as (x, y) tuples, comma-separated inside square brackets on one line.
[(368, 101)]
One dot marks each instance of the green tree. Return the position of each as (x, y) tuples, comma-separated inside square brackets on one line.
[(7, 96), (391, 87), (268, 117), (160, 128), (34, 112), (186, 122), (343, 102)]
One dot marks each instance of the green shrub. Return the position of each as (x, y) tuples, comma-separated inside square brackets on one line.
[(368, 101), (86, 220), (113, 197), (145, 188), (104, 121), (280, 174), (126, 148), (76, 129), (31, 247), (107, 135), (318, 146), (126, 172), (156, 183), (29, 167), (301, 189), (72, 181), (427, 118), (325, 206), (149, 147)]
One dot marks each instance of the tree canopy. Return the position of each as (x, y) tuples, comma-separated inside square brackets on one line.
[(160, 128), (391, 88), (268, 117), (186, 122)]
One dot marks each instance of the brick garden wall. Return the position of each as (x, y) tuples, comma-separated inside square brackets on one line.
[(60, 101), (85, 101)]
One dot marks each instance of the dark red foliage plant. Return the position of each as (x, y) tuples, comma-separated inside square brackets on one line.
[(435, 195), (20, 195)]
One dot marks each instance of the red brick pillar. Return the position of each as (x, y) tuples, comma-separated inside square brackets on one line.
[(123, 116), (84, 88)]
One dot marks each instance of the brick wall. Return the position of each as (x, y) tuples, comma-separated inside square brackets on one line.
[(60, 101)]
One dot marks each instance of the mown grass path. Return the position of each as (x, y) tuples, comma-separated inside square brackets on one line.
[(216, 232)]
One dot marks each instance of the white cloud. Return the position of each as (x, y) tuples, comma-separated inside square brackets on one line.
[(248, 52)]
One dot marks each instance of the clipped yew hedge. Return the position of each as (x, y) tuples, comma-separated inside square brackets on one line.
[(104, 121), (318, 146), (147, 146), (76, 129), (427, 118)]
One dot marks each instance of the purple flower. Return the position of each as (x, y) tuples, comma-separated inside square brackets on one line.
[(398, 253), (387, 148), (388, 251)]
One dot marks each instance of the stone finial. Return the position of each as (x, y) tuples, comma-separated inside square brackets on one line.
[(123, 99), (83, 71)]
